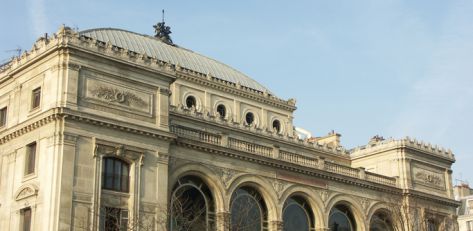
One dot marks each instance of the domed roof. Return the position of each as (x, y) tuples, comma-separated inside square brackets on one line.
[(188, 59)]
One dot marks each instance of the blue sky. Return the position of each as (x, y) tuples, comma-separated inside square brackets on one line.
[(361, 68)]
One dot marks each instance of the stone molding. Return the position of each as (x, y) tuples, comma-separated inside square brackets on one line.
[(70, 39), (240, 127), (282, 165), (406, 142), (26, 191)]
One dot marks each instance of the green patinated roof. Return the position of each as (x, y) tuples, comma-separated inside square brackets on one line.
[(185, 58)]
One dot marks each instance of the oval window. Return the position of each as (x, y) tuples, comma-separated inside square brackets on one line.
[(222, 111), (190, 101), (250, 118)]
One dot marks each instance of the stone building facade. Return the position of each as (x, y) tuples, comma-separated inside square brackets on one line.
[(107, 129), (464, 194)]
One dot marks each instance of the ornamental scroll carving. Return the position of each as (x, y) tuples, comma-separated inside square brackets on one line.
[(115, 95)]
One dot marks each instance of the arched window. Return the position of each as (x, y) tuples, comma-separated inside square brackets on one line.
[(297, 216), (192, 206), (249, 118), (381, 222), (222, 111), (191, 102), (116, 174), (277, 126), (248, 211), (341, 219)]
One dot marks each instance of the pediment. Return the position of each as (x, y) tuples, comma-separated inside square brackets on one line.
[(26, 191)]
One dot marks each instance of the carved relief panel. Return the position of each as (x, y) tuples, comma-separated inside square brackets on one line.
[(113, 95), (425, 176)]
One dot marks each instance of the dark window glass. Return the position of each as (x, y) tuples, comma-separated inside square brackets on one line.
[(3, 116), (341, 219), (116, 175), (380, 222), (30, 158), (248, 212), (296, 216), (222, 111), (191, 102), (25, 219), (36, 98), (277, 126), (249, 118)]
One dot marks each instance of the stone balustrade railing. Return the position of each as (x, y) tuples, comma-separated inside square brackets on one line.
[(341, 169), (205, 137), (373, 177), (298, 159), (276, 153)]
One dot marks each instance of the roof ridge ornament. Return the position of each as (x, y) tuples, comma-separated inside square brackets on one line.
[(162, 32)]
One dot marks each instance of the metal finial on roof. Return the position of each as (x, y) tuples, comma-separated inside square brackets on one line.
[(162, 32)]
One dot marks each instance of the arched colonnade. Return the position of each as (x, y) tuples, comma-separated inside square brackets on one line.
[(200, 199)]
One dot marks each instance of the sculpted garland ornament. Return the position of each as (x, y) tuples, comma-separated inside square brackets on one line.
[(114, 95)]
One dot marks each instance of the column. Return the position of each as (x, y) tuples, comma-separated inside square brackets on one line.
[(222, 221)]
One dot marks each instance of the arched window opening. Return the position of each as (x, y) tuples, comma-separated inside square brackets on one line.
[(297, 215), (249, 118), (116, 174), (191, 102), (192, 206), (381, 222), (341, 219), (222, 111), (248, 211), (277, 126)]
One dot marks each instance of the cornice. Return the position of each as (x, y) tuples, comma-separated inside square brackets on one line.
[(433, 198), (278, 164), (67, 114), (28, 126), (67, 38), (406, 143)]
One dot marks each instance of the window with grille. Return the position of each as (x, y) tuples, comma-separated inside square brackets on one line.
[(115, 219)]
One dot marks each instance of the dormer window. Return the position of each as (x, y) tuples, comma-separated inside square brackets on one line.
[(222, 111), (249, 118), (191, 102)]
